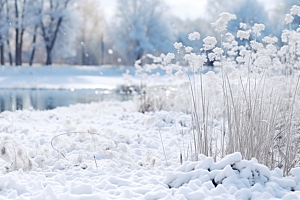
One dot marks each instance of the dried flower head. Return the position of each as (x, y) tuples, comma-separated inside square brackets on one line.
[(243, 34), (263, 62), (295, 10), (271, 49), (240, 59), (257, 28), (180, 75), (194, 36), (243, 26), (188, 49), (229, 37), (221, 24), (218, 51), (169, 57), (196, 61), (177, 45), (270, 40), (209, 43), (289, 18), (256, 45), (211, 57), (227, 45)]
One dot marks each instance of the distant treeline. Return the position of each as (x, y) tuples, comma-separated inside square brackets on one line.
[(76, 32)]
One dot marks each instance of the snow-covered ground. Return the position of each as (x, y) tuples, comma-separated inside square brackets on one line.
[(114, 152)]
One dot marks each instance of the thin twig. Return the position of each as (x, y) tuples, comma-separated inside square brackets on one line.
[(72, 133), (95, 162), (163, 147)]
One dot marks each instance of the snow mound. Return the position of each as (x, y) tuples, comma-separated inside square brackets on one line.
[(231, 178)]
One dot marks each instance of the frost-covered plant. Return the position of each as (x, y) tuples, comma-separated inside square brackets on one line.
[(154, 96), (255, 95), (14, 154)]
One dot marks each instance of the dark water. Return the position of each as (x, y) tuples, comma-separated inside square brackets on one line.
[(43, 99)]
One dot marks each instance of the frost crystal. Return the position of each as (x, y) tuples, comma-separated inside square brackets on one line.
[(257, 28), (221, 24), (169, 57), (243, 34), (177, 45), (209, 43), (289, 18), (194, 36), (295, 10)]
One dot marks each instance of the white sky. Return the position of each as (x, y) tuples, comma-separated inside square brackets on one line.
[(184, 9)]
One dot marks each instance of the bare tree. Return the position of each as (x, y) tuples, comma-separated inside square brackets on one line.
[(91, 33), (141, 28), (2, 32), (54, 13), (37, 8), (7, 35), (20, 14)]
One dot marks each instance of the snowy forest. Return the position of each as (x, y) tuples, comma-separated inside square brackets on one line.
[(150, 99), (76, 32)]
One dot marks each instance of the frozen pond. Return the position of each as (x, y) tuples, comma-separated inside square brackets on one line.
[(47, 99), (45, 88)]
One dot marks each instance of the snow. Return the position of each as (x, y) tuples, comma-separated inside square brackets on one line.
[(125, 160)]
